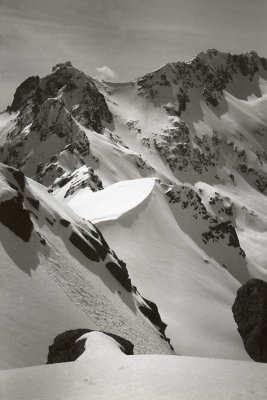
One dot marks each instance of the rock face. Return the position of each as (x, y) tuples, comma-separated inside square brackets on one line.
[(250, 314), (16, 218), (50, 113), (210, 70), (212, 232), (56, 113), (24, 92), (95, 281), (67, 346)]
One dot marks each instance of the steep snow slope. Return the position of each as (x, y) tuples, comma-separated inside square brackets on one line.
[(58, 273), (117, 376), (199, 128), (203, 123), (201, 143), (188, 122), (194, 293), (249, 211)]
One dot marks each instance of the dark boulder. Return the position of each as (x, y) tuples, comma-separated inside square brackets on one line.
[(18, 176), (84, 246), (150, 310), (67, 346), (250, 314), (64, 222), (16, 218), (120, 272), (34, 202)]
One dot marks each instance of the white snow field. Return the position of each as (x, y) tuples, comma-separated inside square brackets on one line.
[(194, 294), (47, 289), (116, 376), (113, 202)]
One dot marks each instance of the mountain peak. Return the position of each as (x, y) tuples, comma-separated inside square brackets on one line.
[(66, 64), (215, 53), (171, 167), (211, 54)]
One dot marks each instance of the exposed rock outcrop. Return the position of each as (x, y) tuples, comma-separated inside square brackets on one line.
[(120, 272), (24, 93), (14, 216), (67, 346), (210, 70), (250, 314), (51, 110)]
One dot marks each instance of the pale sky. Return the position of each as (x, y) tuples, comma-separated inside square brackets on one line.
[(120, 39)]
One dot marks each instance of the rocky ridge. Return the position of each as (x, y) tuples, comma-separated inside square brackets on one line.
[(199, 127), (28, 214)]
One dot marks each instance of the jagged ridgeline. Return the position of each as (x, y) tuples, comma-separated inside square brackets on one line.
[(55, 113), (63, 275), (61, 106), (171, 168)]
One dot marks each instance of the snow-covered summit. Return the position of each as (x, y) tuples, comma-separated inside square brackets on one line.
[(212, 71), (71, 88)]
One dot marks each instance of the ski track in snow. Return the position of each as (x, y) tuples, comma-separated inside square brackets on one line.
[(84, 292)]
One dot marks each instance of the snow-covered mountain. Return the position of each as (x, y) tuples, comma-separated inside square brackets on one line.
[(58, 273), (171, 170)]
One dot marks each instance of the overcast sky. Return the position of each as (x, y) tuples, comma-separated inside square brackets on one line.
[(120, 39)]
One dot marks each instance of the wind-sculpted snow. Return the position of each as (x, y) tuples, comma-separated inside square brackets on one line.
[(114, 201), (58, 274), (175, 268), (116, 376)]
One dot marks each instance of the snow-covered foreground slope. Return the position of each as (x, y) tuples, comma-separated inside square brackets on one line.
[(193, 291), (117, 376), (58, 273)]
